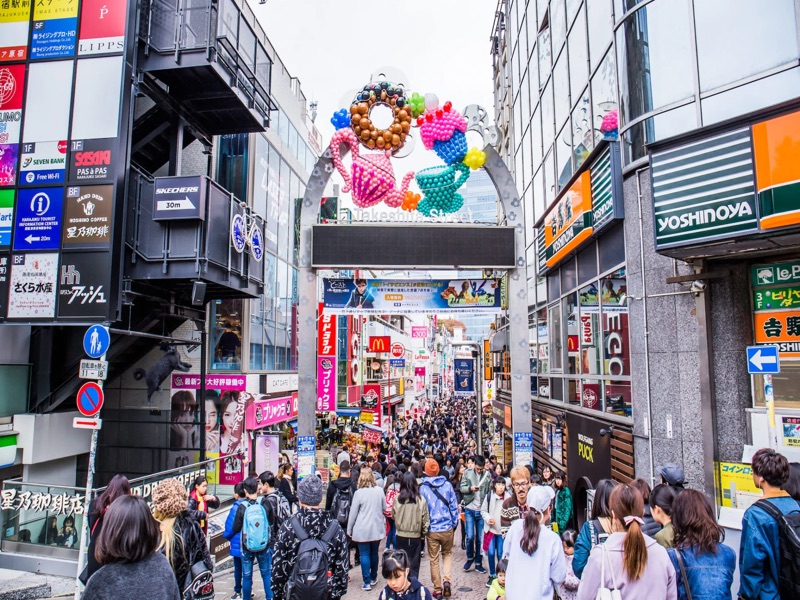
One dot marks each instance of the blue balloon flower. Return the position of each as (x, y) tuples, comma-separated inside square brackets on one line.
[(341, 119)]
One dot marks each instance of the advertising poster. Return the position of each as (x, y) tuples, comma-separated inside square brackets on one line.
[(523, 448), (54, 38), (267, 453), (32, 289), (326, 383), (87, 216), (557, 448), (588, 452), (38, 219), (791, 431), (102, 26), (377, 296), (8, 164), (306, 455), (736, 485), (90, 160), (43, 163), (14, 21), (464, 374), (6, 217), (12, 84), (83, 285), (371, 410)]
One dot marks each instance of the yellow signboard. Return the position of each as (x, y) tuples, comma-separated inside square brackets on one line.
[(735, 485), (54, 9)]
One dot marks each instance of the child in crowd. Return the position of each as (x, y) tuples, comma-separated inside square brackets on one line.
[(497, 591), (396, 571), (569, 589)]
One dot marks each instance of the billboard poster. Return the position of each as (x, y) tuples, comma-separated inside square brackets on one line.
[(38, 220), (8, 163), (523, 448), (270, 411), (54, 38), (102, 27), (83, 285), (464, 373), (378, 296), (326, 383), (371, 410), (32, 289), (267, 453), (14, 22), (12, 84), (6, 217), (735, 486), (5, 271), (87, 216), (90, 160), (43, 163), (791, 431)]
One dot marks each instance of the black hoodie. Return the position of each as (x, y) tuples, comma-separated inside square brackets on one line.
[(340, 484)]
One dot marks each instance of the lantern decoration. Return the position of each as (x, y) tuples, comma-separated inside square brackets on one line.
[(371, 178), (341, 119), (381, 93)]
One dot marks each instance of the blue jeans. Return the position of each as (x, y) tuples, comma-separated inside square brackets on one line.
[(264, 565), (369, 560), (391, 538), (495, 553), (237, 574), (474, 535)]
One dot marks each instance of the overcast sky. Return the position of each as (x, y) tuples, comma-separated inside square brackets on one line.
[(333, 46)]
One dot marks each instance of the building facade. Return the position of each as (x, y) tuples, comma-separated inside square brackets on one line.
[(648, 141)]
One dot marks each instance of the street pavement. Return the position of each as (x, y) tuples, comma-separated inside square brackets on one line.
[(465, 586)]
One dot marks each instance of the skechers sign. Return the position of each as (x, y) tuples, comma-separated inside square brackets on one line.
[(589, 205), (179, 198)]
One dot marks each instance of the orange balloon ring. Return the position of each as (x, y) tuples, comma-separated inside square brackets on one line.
[(381, 92)]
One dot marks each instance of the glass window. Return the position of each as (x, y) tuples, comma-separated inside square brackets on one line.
[(548, 118), (612, 249), (533, 79), (555, 337), (294, 198), (561, 90), (525, 100), (270, 288), (541, 10), (275, 197), (545, 57), (283, 211), (587, 263), (769, 91), (522, 45), (604, 99), (623, 6), (601, 27), (735, 41), (563, 147), (655, 57), (292, 140), (590, 394), (260, 177), (553, 286), (532, 30), (572, 9), (582, 135), (549, 179), (558, 24), (536, 138), (785, 386), (233, 164), (661, 126), (256, 333), (226, 335), (589, 334), (538, 195), (578, 59), (617, 398), (283, 127), (616, 344), (573, 344)]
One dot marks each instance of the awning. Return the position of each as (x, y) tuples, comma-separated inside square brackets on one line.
[(348, 412)]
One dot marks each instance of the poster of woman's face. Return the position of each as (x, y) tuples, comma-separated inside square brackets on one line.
[(212, 423), (183, 421)]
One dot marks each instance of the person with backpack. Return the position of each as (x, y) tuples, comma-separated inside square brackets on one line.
[(252, 522), (278, 511), (339, 499), (391, 488), (310, 561), (443, 509), (412, 519), (366, 525), (597, 529), (769, 562), (400, 582), (235, 540)]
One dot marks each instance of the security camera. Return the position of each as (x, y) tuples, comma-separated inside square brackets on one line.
[(698, 287)]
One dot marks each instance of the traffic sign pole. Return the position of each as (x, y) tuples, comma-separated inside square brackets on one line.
[(769, 402)]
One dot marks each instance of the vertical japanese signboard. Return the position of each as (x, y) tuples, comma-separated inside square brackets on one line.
[(776, 305), (326, 363), (14, 23)]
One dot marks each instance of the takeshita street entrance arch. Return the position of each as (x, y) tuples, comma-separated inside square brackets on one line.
[(372, 181)]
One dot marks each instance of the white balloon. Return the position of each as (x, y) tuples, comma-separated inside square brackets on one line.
[(431, 101)]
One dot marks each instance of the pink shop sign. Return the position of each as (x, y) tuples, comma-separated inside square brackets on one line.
[(213, 382), (326, 383), (263, 413)]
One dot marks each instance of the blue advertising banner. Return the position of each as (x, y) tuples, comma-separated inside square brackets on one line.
[(38, 219), (397, 363), (523, 448), (464, 370), (379, 296), (54, 38)]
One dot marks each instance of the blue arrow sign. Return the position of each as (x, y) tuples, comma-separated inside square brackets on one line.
[(96, 341), (763, 359)]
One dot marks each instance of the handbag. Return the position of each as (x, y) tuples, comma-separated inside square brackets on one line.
[(603, 593), (487, 540), (683, 575), (199, 581)]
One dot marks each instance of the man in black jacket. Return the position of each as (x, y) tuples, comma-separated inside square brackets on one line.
[(264, 557), (342, 484)]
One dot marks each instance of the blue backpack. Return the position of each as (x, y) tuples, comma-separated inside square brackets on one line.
[(255, 528)]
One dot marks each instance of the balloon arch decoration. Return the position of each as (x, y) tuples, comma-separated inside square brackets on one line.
[(370, 179)]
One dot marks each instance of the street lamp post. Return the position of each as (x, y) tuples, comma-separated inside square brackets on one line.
[(476, 353)]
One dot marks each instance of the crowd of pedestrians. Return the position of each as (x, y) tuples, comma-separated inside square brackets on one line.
[(387, 508)]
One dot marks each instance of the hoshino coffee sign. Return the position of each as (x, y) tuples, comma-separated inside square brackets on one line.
[(704, 190)]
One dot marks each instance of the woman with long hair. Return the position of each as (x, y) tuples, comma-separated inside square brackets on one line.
[(412, 519), (366, 525), (792, 484), (117, 487), (628, 561), (391, 487), (491, 511), (126, 550), (200, 501), (49, 532), (182, 539), (701, 561), (285, 484), (563, 503), (455, 481), (661, 499), (535, 556), (597, 529)]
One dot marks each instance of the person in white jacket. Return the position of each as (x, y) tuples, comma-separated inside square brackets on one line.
[(535, 556), (490, 511)]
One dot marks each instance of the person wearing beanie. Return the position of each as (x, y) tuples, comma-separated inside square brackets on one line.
[(315, 522), (438, 492), (182, 540)]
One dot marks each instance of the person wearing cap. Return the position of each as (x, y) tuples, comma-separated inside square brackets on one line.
[(672, 474), (182, 539), (443, 510), (535, 555), (315, 522)]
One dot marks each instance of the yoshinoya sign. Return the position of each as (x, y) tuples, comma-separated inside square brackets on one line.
[(588, 206), (179, 198)]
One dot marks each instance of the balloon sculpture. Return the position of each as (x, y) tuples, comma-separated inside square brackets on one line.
[(371, 178)]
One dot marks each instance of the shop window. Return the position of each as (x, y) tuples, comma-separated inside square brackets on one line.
[(573, 389), (591, 396), (589, 334), (570, 304), (612, 249), (544, 387), (542, 335), (232, 170), (616, 343), (587, 263), (785, 386), (226, 335), (555, 336), (569, 275), (617, 398), (553, 286)]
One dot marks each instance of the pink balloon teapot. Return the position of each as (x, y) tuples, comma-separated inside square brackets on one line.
[(372, 177)]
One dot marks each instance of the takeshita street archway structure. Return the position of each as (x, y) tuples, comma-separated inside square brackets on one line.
[(371, 180)]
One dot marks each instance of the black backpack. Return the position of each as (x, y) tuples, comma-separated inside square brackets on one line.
[(310, 576), (340, 507), (789, 542)]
